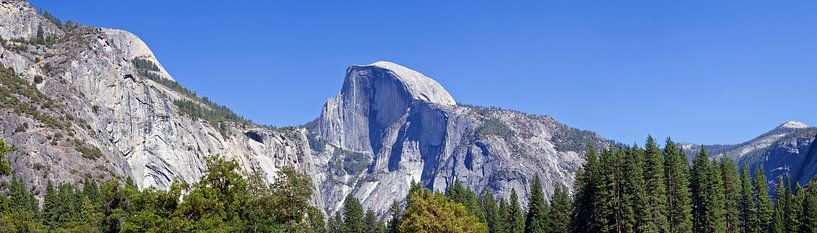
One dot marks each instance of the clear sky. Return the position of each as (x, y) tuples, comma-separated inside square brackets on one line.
[(699, 71)]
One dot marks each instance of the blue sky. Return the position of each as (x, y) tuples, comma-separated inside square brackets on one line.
[(699, 71)]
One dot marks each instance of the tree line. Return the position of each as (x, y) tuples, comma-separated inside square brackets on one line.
[(224, 200), (618, 189), (633, 189)]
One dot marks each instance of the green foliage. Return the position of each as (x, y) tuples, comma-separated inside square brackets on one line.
[(353, 215), (89, 151), (196, 107), (516, 216), (731, 193), (38, 79), (50, 17), (5, 166), (762, 210), (536, 220), (460, 194), (225, 200), (560, 212), (494, 126), (679, 202), (20, 96), (433, 212), (396, 216), (656, 189)]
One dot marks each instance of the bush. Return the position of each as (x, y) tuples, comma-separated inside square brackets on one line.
[(38, 79), (89, 151)]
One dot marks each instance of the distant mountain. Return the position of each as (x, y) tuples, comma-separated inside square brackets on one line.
[(786, 151)]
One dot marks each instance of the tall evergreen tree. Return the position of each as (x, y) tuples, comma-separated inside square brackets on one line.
[(536, 221), (353, 215), (808, 213), (585, 186), (792, 209), (394, 223), (707, 191), (465, 196), (20, 199), (503, 224), (516, 217), (372, 224), (777, 212), (633, 205), (656, 189), (490, 209), (50, 202), (606, 212), (746, 201), (560, 209), (679, 203), (731, 193), (762, 204)]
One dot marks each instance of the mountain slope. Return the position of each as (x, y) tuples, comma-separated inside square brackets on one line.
[(117, 112), (783, 151), (401, 126)]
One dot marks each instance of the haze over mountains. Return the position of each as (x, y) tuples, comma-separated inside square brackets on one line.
[(87, 101)]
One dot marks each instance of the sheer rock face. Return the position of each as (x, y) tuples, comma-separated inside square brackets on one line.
[(405, 127), (783, 151), (89, 76)]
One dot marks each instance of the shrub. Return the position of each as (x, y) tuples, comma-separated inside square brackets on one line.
[(38, 79), (89, 151)]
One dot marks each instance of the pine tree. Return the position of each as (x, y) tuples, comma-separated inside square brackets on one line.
[(731, 193), (459, 193), (394, 223), (656, 189), (746, 201), (707, 195), (516, 217), (49, 210), (339, 225), (503, 223), (762, 204), (560, 208), (792, 209), (536, 220), (585, 186), (372, 224), (679, 203), (633, 204), (332, 225), (808, 212), (606, 213), (353, 215), (489, 208), (777, 212), (20, 199)]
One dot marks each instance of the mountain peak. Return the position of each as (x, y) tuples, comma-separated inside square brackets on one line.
[(793, 125), (419, 86)]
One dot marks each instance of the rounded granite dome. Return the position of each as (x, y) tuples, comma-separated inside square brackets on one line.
[(419, 86)]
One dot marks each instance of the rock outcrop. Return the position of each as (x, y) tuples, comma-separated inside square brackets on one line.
[(401, 126), (103, 103)]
